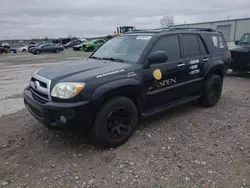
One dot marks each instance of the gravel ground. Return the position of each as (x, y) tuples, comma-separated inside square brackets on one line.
[(189, 146)]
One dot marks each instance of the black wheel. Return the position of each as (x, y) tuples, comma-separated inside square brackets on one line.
[(57, 51), (37, 52), (212, 91), (115, 122), (23, 50), (1, 52), (91, 49)]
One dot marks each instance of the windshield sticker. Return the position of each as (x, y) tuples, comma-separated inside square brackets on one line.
[(109, 73), (143, 37)]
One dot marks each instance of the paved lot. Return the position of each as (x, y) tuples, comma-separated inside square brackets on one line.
[(189, 146)]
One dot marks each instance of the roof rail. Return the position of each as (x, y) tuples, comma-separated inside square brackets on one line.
[(172, 28), (192, 28)]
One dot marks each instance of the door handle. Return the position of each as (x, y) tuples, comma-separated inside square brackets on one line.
[(205, 59), (181, 64)]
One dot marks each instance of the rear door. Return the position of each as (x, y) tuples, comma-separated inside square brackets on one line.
[(45, 48), (163, 82), (196, 56)]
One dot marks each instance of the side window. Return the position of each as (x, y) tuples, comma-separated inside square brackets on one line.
[(218, 42), (190, 45), (170, 44), (203, 50)]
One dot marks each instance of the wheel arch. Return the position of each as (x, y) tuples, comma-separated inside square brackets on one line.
[(217, 67), (129, 88)]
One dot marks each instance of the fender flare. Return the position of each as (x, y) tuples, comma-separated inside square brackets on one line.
[(217, 66), (117, 84)]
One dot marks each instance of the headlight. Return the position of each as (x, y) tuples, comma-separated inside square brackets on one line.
[(66, 90)]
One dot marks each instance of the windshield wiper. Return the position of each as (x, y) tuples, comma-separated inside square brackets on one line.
[(113, 59), (94, 57)]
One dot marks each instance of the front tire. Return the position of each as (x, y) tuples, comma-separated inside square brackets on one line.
[(212, 91), (37, 52), (91, 49), (23, 50), (57, 51), (115, 122)]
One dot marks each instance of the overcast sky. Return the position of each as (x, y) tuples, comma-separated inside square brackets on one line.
[(86, 18)]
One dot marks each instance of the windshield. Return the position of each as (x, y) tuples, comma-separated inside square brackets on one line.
[(125, 48), (245, 39)]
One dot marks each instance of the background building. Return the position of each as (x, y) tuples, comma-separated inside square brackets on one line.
[(232, 29)]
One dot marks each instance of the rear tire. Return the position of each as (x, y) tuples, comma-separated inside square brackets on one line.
[(212, 91), (57, 51), (115, 122), (23, 50)]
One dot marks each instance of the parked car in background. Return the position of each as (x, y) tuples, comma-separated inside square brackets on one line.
[(93, 45), (79, 47), (46, 48), (3, 50), (5, 45), (72, 43), (30, 48), (26, 48), (241, 54)]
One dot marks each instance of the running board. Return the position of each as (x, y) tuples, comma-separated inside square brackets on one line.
[(170, 105)]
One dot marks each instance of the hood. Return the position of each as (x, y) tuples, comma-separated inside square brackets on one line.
[(81, 70), (243, 48)]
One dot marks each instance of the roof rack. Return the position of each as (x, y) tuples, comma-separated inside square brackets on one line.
[(192, 28), (172, 28)]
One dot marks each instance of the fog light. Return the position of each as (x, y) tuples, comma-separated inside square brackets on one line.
[(63, 119)]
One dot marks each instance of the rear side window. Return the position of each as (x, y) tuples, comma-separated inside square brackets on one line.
[(169, 44), (218, 42), (190, 45)]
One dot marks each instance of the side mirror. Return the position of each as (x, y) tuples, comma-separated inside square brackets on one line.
[(236, 42), (156, 58)]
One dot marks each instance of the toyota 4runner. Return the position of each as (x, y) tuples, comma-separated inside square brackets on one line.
[(134, 75)]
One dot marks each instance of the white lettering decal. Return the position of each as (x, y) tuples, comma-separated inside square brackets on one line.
[(168, 82), (193, 67), (196, 61), (110, 73), (194, 71)]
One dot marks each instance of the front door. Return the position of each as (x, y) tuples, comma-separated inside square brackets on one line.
[(163, 82)]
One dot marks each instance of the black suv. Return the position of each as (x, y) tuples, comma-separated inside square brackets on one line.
[(241, 54), (133, 75)]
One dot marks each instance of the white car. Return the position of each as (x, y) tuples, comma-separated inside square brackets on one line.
[(24, 48)]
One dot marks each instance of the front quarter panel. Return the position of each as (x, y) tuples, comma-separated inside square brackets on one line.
[(117, 84)]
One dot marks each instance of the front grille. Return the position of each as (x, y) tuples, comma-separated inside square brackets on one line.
[(40, 97), (40, 88)]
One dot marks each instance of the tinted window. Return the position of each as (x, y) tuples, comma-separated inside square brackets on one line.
[(190, 45), (170, 44), (245, 39), (203, 50), (218, 42)]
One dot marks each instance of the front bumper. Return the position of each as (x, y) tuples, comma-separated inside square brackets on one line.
[(54, 114)]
